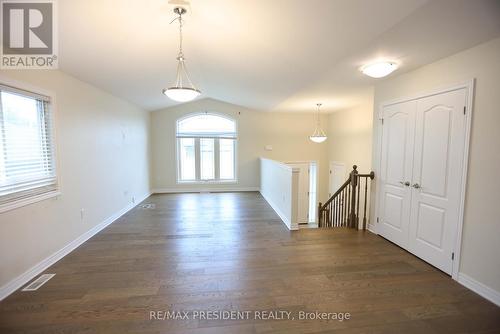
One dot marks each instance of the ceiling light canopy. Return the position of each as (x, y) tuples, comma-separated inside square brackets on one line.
[(380, 69), (183, 89), (318, 135)]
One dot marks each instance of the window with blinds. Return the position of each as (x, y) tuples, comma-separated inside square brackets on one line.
[(27, 165)]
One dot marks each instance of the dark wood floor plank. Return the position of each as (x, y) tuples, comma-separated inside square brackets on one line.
[(230, 251)]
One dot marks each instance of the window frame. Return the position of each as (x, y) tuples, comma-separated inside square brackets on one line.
[(198, 180), (28, 90)]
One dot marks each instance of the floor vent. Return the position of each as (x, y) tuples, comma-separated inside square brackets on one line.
[(36, 284), (148, 206)]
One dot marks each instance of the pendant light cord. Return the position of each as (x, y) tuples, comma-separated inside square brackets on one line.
[(183, 89), (318, 123), (181, 65), (318, 132), (181, 55)]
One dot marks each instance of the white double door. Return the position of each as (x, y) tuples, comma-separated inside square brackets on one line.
[(422, 154)]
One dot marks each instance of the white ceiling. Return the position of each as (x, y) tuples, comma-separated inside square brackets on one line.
[(279, 55)]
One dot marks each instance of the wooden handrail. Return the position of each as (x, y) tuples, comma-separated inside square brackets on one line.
[(342, 187), (371, 175), (342, 208)]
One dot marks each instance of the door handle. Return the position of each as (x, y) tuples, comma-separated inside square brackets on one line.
[(416, 186), (405, 183)]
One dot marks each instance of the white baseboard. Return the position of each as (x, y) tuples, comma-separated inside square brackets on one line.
[(372, 228), (283, 217), (37, 269), (479, 288), (467, 281), (197, 190)]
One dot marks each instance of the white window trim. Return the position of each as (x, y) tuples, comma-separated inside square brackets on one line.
[(217, 167), (36, 91), (28, 200)]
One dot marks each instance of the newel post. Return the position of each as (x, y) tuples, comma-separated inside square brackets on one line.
[(354, 183)]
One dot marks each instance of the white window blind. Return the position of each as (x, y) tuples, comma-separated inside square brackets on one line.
[(27, 165)]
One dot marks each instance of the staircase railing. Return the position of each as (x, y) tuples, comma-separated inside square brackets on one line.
[(342, 208)]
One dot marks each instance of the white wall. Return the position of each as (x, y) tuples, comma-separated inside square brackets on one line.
[(288, 133), (350, 140), (103, 159), (279, 185), (350, 135), (480, 263)]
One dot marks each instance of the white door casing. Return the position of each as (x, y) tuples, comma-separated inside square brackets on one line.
[(313, 191), (303, 192), (396, 171)]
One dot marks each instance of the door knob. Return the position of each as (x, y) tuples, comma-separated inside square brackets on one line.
[(405, 183), (416, 186)]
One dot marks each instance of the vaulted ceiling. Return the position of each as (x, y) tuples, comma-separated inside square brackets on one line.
[(273, 55)]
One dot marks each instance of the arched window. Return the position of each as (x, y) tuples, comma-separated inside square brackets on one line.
[(206, 146)]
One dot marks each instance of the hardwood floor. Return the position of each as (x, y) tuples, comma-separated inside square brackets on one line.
[(230, 251)]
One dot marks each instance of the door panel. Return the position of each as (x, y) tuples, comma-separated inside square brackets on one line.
[(435, 127), (397, 141), (437, 166), (430, 226), (396, 169), (393, 210)]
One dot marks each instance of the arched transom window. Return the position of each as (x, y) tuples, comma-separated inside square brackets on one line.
[(206, 148)]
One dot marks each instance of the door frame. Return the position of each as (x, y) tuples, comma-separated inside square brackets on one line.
[(316, 162), (377, 163)]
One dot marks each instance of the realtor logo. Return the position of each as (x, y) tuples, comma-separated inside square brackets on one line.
[(28, 34)]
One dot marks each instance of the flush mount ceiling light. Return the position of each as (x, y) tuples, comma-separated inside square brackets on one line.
[(380, 69), (319, 135), (183, 89)]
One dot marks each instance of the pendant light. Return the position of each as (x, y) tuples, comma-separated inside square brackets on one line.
[(319, 135), (183, 89)]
